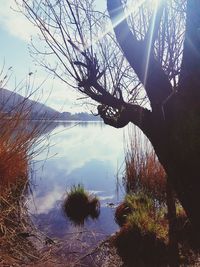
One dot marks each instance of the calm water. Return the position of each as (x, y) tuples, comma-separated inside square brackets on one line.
[(87, 153)]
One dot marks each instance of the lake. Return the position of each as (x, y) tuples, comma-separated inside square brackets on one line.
[(89, 153)]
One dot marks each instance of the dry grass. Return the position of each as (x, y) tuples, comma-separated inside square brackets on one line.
[(13, 154), (143, 172), (15, 228), (18, 145), (15, 143), (19, 142)]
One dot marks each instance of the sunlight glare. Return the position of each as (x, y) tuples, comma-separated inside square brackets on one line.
[(118, 20), (155, 5)]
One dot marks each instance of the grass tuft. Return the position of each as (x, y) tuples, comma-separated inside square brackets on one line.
[(141, 212), (79, 205)]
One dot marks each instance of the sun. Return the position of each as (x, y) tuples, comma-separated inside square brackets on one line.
[(156, 3)]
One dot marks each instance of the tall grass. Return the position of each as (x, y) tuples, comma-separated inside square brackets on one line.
[(143, 171), (17, 144), (20, 141)]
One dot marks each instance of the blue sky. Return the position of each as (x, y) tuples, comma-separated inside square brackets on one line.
[(15, 32)]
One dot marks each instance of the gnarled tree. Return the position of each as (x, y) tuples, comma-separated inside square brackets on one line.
[(153, 53)]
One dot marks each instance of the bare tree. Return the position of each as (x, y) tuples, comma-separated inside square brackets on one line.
[(146, 73)]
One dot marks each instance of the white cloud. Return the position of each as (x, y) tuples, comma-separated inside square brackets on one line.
[(75, 140), (54, 93), (47, 202), (14, 22), (106, 198), (59, 95)]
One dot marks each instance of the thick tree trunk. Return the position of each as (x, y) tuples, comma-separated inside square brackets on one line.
[(186, 184), (177, 146), (173, 124), (173, 242)]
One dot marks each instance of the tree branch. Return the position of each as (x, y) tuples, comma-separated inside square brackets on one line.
[(113, 110), (190, 69), (139, 56), (154, 25), (136, 114)]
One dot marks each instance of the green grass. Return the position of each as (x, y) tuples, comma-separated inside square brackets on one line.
[(144, 231), (77, 190), (144, 215)]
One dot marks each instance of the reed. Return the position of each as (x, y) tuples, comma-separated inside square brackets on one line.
[(20, 141), (143, 171)]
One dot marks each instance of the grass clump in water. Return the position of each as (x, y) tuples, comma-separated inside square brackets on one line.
[(80, 204), (144, 230)]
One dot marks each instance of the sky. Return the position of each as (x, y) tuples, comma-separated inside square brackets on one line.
[(16, 32)]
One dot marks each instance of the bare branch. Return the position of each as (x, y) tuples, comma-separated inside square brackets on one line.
[(190, 69), (140, 57)]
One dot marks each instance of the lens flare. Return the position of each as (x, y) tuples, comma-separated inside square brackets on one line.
[(117, 21), (150, 41), (123, 15)]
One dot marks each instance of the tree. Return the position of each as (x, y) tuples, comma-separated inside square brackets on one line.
[(154, 55)]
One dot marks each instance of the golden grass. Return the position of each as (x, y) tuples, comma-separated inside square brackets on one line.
[(143, 170), (15, 226), (17, 141), (14, 167)]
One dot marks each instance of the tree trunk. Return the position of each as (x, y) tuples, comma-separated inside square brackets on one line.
[(173, 124), (173, 242), (177, 146)]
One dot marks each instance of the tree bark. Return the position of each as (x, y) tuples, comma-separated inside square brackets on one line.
[(173, 242), (177, 146)]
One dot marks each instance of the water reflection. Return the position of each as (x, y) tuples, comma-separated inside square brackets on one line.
[(86, 153)]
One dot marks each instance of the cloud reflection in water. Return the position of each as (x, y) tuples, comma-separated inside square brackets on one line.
[(89, 154)]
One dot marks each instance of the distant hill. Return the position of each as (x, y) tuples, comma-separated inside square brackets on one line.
[(82, 116), (13, 102)]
